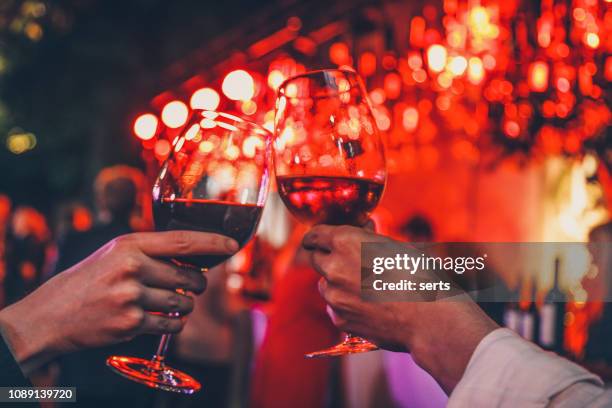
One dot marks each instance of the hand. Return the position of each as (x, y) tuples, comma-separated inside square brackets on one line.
[(441, 335), (110, 296)]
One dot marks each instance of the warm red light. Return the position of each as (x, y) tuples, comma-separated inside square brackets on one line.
[(608, 69), (238, 85), (538, 76), (579, 14), (81, 219), (436, 57), (415, 61), (275, 79), (377, 96), (145, 126), (393, 85), (162, 149), (563, 85), (175, 114), (475, 70), (512, 129), (417, 31), (457, 65), (592, 40), (410, 119), (248, 107), (205, 98), (339, 54), (367, 63)]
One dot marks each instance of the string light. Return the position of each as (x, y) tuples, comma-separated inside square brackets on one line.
[(145, 126), (174, 114)]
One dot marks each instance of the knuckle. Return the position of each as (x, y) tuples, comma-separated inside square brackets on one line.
[(181, 278), (174, 302), (130, 293), (134, 318), (342, 236), (125, 241), (181, 241), (131, 264), (169, 325)]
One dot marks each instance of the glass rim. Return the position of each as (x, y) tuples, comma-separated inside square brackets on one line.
[(319, 72), (235, 118)]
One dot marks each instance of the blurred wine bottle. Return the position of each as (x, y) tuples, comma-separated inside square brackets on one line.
[(552, 314), (529, 318), (512, 314)]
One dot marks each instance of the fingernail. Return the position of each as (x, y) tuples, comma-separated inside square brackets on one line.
[(231, 245)]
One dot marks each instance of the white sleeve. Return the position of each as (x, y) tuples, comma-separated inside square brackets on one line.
[(508, 371)]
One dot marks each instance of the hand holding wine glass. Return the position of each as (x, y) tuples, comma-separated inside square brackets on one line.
[(329, 157), (106, 298), (215, 180)]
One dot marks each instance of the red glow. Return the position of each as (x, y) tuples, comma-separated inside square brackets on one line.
[(389, 62), (81, 219), (145, 126), (538, 76), (367, 63), (592, 40), (415, 61), (162, 149), (238, 85), (175, 114), (205, 98), (275, 78), (393, 85), (339, 54), (410, 119), (417, 31), (436, 57), (475, 70), (608, 69), (512, 129), (563, 85)]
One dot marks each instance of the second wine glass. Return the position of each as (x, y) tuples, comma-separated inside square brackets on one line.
[(329, 158)]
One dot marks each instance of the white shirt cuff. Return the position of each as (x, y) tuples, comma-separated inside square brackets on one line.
[(508, 371)]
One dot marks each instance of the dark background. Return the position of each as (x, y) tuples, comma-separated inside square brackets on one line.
[(78, 87)]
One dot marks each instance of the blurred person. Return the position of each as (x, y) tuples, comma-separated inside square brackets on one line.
[(117, 194), (72, 217), (417, 228), (116, 191), (118, 292), (26, 252), (475, 361), (297, 325)]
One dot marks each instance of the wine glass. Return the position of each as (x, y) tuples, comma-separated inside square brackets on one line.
[(329, 158), (215, 180)]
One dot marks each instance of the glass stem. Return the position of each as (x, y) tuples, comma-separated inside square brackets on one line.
[(163, 346), (160, 354)]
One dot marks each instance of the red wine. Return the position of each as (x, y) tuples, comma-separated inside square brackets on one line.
[(237, 221), (330, 200)]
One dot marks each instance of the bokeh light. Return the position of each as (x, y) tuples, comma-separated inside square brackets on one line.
[(175, 114), (205, 98), (145, 126), (238, 85)]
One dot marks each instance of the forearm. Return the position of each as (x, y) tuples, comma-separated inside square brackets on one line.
[(443, 343), (26, 336)]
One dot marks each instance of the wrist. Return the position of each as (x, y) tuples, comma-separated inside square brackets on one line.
[(444, 341), (27, 338)]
